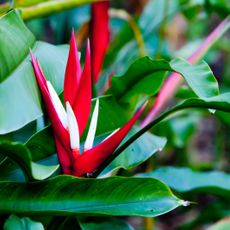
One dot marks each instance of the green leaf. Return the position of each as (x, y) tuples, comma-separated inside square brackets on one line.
[(199, 77), (15, 41), (21, 155), (65, 195), (145, 77), (222, 7), (141, 150), (14, 222), (19, 94), (37, 144), (111, 115), (123, 48), (185, 180), (104, 224), (220, 102)]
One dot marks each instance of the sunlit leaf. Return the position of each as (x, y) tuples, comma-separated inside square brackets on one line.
[(18, 87), (65, 195)]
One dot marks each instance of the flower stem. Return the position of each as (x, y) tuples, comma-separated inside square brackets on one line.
[(150, 125), (122, 14), (45, 8)]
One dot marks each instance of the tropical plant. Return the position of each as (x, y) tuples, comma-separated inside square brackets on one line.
[(77, 143)]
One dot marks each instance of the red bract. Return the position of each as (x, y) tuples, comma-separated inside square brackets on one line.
[(68, 125), (99, 35), (77, 85)]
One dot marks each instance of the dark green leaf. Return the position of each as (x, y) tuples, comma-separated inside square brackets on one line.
[(145, 76), (37, 144), (104, 224), (222, 7), (65, 195), (111, 115)]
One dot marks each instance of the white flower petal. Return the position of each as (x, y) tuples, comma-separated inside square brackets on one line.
[(57, 105), (92, 128), (73, 128)]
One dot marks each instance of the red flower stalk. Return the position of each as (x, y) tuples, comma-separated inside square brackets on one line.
[(69, 124), (99, 36)]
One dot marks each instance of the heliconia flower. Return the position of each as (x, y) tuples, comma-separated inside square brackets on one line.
[(69, 124), (99, 29)]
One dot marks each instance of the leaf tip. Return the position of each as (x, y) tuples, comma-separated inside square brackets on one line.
[(185, 203)]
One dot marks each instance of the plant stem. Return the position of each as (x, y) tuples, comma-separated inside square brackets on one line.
[(160, 118), (4, 8), (50, 7), (149, 223), (7, 6), (122, 14)]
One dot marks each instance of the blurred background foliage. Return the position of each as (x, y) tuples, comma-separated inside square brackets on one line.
[(195, 139)]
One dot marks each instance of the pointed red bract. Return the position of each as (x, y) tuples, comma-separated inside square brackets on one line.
[(72, 161), (90, 160), (38, 73), (64, 156), (73, 73), (99, 36), (60, 131), (83, 97)]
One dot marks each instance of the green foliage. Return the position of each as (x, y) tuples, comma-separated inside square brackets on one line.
[(199, 77), (18, 76), (22, 156), (14, 222), (141, 150), (104, 224), (65, 195), (145, 77), (182, 179), (29, 181)]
